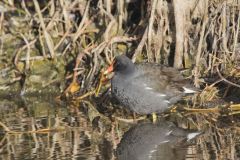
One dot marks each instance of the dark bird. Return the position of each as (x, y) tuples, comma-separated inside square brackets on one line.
[(147, 88)]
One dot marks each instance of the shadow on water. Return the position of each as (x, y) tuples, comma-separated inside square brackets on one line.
[(38, 127)]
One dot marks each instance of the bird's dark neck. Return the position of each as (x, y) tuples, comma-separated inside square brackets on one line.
[(128, 71)]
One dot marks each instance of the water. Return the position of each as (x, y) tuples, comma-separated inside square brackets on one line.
[(39, 127)]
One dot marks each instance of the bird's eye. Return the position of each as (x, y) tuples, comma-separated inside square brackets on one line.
[(116, 63)]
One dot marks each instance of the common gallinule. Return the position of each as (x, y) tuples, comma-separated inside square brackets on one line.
[(154, 141), (147, 88)]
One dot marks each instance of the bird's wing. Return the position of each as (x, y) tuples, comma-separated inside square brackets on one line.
[(162, 80)]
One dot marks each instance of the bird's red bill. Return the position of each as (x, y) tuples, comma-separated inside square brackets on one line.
[(109, 69)]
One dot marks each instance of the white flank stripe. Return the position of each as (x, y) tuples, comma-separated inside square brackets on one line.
[(148, 88), (154, 150), (161, 95), (164, 141), (192, 135), (168, 133), (187, 90), (167, 101)]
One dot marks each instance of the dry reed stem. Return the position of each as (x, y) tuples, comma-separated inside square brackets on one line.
[(20, 50), (42, 44), (102, 78), (179, 15), (1, 22), (199, 49), (236, 36), (64, 6), (225, 80), (27, 67), (47, 37), (141, 45), (61, 40), (4, 127), (81, 25), (130, 121), (209, 110), (150, 30), (90, 93)]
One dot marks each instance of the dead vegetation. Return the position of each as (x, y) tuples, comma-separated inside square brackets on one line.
[(63, 45)]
